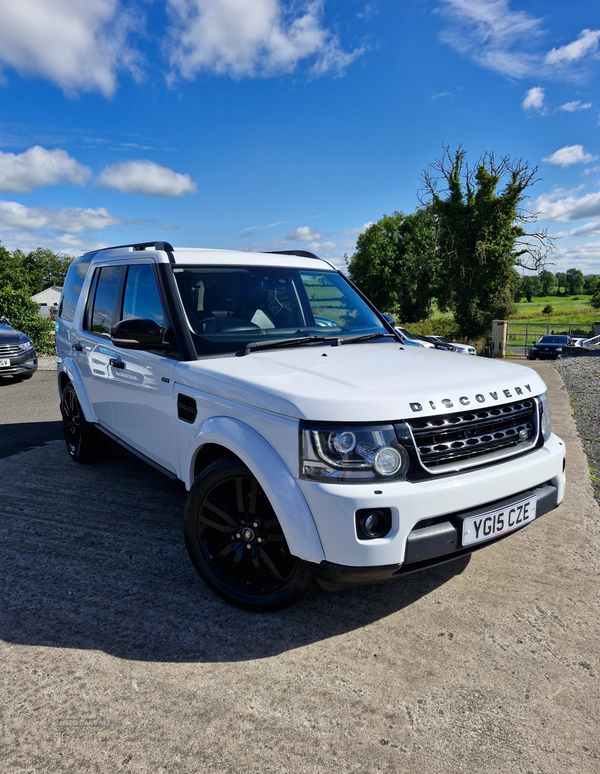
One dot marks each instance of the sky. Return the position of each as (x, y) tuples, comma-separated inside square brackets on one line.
[(287, 124)]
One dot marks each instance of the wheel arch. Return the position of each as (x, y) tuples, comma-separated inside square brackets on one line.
[(228, 437), (70, 373)]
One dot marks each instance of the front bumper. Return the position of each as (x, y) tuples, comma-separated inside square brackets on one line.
[(26, 363), (333, 506), (431, 545)]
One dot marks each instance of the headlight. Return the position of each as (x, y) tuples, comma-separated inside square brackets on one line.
[(358, 454), (546, 423), (25, 345), (559, 349)]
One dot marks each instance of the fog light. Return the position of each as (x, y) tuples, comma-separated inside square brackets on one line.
[(373, 523)]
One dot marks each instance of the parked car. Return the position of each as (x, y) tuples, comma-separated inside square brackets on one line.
[(453, 346), (308, 450), (17, 353), (414, 338), (549, 347)]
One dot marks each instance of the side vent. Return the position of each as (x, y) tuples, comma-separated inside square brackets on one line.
[(187, 410)]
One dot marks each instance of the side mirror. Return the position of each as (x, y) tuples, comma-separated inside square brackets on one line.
[(388, 318), (138, 333)]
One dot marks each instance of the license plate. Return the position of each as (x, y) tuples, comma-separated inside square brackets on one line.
[(4, 362), (489, 525)]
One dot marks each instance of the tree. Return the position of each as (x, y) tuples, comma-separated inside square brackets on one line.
[(548, 282), (481, 235), (532, 286), (395, 264), (575, 282), (12, 272), (561, 282), (44, 268), (595, 300), (590, 284)]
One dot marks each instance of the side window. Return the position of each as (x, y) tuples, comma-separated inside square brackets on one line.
[(101, 314), (142, 297), (72, 290)]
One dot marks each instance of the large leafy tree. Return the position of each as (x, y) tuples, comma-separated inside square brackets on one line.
[(532, 286), (591, 284), (481, 235), (548, 281), (44, 268), (395, 264), (575, 280)]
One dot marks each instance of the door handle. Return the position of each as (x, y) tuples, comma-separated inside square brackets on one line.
[(78, 347), (116, 363)]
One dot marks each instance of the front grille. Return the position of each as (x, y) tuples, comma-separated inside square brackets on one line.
[(461, 440), (6, 350)]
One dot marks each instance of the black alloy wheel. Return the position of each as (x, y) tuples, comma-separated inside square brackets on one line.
[(84, 442), (236, 543)]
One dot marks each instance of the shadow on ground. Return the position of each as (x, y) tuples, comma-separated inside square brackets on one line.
[(93, 557), (26, 435)]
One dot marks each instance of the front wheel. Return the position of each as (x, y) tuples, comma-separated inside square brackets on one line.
[(236, 543), (84, 442)]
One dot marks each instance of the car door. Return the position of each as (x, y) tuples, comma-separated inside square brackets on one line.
[(92, 347), (141, 382)]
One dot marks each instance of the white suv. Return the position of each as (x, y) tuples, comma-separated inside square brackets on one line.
[(312, 442)]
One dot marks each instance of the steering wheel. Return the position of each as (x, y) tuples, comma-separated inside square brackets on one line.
[(198, 327)]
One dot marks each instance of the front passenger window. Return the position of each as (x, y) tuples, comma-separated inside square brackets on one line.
[(142, 298), (102, 313)]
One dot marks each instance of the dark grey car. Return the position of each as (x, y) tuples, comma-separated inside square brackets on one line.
[(17, 353)]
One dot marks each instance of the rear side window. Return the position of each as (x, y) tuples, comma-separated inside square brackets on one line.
[(142, 297), (72, 290), (105, 287)]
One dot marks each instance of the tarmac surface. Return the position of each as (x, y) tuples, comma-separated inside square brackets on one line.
[(115, 657)]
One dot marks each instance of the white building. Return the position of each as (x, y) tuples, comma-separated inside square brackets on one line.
[(47, 299)]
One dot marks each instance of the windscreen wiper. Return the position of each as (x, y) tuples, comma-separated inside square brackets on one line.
[(253, 346), (366, 336)]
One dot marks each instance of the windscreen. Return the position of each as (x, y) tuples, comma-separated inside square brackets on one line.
[(554, 340), (229, 307)]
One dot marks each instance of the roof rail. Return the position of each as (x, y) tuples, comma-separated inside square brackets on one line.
[(137, 246), (301, 253)]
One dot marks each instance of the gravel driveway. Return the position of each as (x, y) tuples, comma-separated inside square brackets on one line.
[(581, 376)]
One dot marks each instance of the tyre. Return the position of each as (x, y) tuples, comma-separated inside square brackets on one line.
[(84, 442), (236, 543)]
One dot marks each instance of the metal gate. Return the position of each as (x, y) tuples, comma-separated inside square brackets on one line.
[(522, 335)]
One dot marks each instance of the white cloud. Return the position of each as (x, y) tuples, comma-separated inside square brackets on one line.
[(38, 166), (252, 37), (79, 46), (570, 154), (561, 210), (314, 247), (586, 43), (492, 34), (146, 178), (534, 99), (76, 220), (585, 257), (58, 243), (305, 234), (355, 232), (571, 107), (588, 229)]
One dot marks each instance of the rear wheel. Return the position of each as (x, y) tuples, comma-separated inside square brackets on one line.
[(236, 543), (84, 442)]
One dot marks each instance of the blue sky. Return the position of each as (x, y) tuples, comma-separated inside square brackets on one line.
[(271, 124)]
